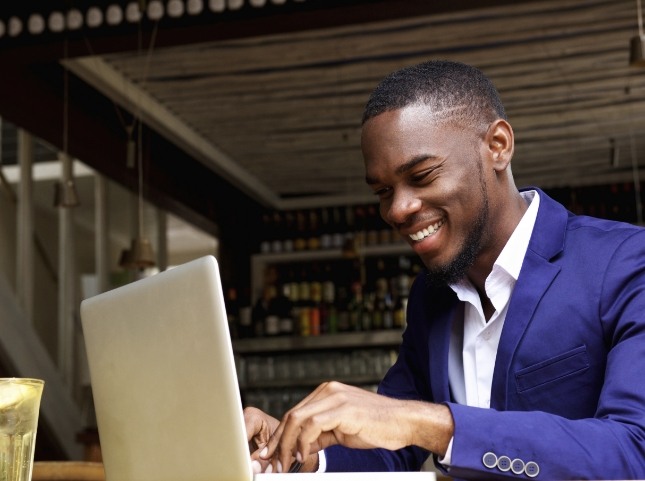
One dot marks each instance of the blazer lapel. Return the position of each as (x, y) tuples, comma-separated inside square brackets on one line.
[(535, 277), (524, 301)]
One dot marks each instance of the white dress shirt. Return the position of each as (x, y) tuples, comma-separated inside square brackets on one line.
[(473, 343)]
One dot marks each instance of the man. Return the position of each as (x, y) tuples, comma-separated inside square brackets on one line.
[(524, 352)]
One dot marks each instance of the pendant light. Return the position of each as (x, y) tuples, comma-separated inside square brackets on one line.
[(65, 194), (636, 50), (141, 255)]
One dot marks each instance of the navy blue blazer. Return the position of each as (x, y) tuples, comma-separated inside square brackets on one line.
[(568, 391)]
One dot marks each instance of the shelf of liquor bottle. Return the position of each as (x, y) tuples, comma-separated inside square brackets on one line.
[(346, 340), (260, 262)]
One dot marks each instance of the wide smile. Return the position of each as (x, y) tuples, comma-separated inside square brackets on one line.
[(427, 231)]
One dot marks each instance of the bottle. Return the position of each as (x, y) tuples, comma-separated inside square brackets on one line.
[(245, 315), (360, 233), (232, 312), (326, 239), (304, 305), (338, 233), (277, 232), (289, 231), (382, 314), (343, 309), (300, 242), (331, 317), (314, 318), (380, 290), (283, 307), (315, 293), (388, 313), (246, 322), (401, 288), (313, 238), (349, 226), (355, 307), (371, 226), (399, 314), (367, 314), (328, 311), (294, 297), (272, 317), (265, 245), (259, 314)]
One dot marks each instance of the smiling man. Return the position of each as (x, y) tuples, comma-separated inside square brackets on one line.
[(525, 345)]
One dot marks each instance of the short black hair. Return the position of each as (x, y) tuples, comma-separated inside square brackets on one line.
[(454, 90)]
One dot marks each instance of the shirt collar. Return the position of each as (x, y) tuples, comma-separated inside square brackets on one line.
[(511, 258)]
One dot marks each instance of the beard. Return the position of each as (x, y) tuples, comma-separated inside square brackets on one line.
[(456, 269)]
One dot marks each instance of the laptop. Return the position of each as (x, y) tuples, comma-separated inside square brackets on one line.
[(164, 382)]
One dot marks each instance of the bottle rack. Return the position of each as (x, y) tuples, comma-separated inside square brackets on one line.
[(259, 262)]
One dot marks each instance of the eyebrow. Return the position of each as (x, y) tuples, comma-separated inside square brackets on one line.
[(405, 167)]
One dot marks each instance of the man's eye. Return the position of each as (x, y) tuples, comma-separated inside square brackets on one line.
[(382, 192), (424, 177), (420, 177)]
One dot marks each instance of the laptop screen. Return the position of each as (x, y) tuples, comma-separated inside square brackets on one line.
[(163, 378)]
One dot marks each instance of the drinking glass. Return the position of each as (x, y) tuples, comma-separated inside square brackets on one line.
[(19, 407)]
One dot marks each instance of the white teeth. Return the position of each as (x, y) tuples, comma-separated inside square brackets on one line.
[(428, 231)]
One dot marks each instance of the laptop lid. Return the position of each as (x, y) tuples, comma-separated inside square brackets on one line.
[(163, 378)]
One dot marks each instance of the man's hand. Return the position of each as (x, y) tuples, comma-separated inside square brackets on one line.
[(339, 414), (259, 428)]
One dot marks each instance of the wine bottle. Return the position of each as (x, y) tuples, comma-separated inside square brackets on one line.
[(355, 307), (232, 312)]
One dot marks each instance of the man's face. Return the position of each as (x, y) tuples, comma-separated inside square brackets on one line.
[(429, 180)]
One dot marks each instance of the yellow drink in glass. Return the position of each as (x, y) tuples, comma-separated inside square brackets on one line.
[(19, 407)]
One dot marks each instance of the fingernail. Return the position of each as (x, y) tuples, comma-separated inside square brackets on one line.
[(299, 457), (279, 467), (264, 452), (269, 469), (256, 466)]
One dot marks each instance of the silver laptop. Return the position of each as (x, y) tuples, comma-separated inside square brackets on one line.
[(164, 382), (163, 379)]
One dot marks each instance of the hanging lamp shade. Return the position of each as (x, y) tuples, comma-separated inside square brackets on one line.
[(139, 256), (636, 58)]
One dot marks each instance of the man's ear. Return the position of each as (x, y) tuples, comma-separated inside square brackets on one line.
[(501, 143)]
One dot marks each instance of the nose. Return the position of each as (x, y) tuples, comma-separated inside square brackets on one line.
[(401, 206)]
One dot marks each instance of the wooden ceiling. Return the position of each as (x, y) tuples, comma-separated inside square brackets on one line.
[(254, 104)]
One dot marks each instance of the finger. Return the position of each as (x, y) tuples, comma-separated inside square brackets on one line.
[(318, 428), (252, 422), (256, 466), (276, 436), (257, 453), (291, 428), (320, 431)]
